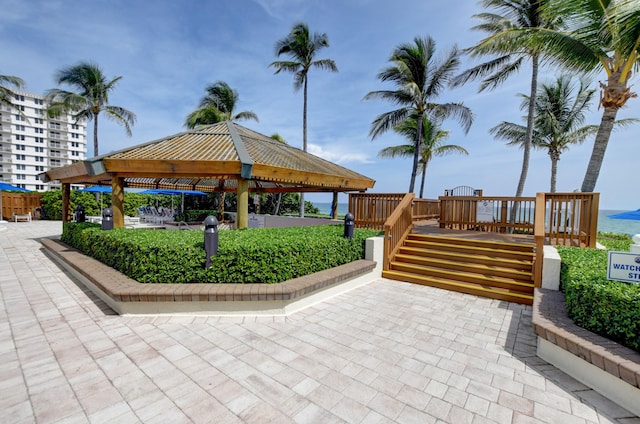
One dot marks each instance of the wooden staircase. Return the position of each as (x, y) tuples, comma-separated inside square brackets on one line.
[(497, 270)]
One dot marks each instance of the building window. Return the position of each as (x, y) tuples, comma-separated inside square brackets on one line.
[(39, 139), (20, 147), (39, 168), (19, 127), (21, 167), (38, 101), (39, 159), (19, 137), (73, 135), (19, 117), (74, 153), (20, 157), (39, 149), (19, 97)]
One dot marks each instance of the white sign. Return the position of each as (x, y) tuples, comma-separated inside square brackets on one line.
[(484, 211), (256, 221), (624, 266)]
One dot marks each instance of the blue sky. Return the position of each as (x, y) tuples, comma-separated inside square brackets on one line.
[(167, 51)]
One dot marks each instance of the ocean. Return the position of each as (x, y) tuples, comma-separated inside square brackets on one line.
[(605, 224)]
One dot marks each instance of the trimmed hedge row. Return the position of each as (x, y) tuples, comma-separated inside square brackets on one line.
[(609, 308), (261, 255)]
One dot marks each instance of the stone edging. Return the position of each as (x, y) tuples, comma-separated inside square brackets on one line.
[(123, 291), (555, 329)]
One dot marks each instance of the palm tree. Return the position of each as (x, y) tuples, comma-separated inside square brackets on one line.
[(419, 79), (6, 92), (603, 35), (91, 98), (216, 106), (432, 145), (509, 39), (301, 47), (560, 112)]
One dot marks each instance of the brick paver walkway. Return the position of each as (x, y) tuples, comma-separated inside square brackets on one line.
[(386, 352)]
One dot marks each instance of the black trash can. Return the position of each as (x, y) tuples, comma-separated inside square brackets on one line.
[(107, 219), (80, 215)]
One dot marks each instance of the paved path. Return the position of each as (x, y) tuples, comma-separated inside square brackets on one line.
[(386, 352)]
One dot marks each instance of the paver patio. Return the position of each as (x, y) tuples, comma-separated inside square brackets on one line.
[(385, 352)]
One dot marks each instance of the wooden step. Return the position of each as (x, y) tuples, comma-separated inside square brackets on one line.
[(469, 288), (460, 241), (518, 264), (467, 249), (485, 268), (464, 277)]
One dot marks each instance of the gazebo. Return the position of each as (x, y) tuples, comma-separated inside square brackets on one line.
[(223, 157)]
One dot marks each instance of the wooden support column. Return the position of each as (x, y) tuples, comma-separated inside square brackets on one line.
[(66, 202), (243, 204), (334, 206), (117, 201)]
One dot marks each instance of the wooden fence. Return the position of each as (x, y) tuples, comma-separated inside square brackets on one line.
[(425, 209), (371, 210), (19, 203)]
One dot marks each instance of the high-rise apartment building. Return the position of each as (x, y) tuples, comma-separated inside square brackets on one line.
[(32, 143)]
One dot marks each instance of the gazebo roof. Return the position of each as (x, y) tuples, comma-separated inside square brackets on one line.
[(213, 158)]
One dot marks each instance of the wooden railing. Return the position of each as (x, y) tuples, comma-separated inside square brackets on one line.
[(397, 227), (571, 219), (489, 214), (425, 209), (18, 203), (371, 210)]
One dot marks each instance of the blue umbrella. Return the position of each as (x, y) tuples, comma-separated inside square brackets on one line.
[(174, 193), (11, 187), (634, 215), (96, 189)]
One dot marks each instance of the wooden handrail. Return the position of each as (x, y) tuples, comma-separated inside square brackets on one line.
[(397, 227), (538, 238), (371, 210)]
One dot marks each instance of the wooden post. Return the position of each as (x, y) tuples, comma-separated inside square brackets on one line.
[(334, 206), (66, 202), (243, 204), (503, 215), (593, 230), (117, 201)]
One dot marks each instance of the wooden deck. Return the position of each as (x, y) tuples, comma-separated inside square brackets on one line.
[(431, 227)]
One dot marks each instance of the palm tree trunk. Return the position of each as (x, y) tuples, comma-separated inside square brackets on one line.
[(529, 133), (424, 173), (278, 204), (304, 138), (95, 135), (416, 153), (554, 172), (599, 148)]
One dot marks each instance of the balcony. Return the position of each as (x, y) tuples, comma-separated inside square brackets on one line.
[(58, 127), (58, 145), (6, 159), (58, 137)]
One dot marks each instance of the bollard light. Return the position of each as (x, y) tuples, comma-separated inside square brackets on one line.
[(210, 238), (349, 224), (107, 219)]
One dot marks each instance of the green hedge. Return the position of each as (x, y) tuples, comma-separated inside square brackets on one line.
[(261, 255), (609, 308)]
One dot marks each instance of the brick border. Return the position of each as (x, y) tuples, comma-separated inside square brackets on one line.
[(551, 323), (123, 289)]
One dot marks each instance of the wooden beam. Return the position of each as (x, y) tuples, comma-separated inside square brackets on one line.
[(170, 168), (66, 196), (117, 202), (243, 204)]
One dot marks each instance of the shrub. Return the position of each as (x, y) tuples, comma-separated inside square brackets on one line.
[(609, 308), (261, 255)]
